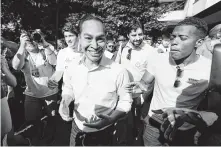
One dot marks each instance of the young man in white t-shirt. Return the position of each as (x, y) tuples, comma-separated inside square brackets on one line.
[(66, 55), (134, 56), (37, 66), (180, 77)]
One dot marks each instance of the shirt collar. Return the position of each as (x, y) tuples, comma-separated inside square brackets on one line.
[(172, 62), (105, 62)]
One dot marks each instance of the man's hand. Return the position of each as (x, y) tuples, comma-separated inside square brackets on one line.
[(3, 40), (171, 122), (4, 63), (64, 108), (52, 83), (24, 38), (100, 122), (176, 117), (135, 88)]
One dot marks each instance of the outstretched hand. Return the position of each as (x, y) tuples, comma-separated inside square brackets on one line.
[(135, 88), (103, 120)]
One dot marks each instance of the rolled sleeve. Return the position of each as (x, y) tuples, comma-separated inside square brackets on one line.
[(125, 99), (60, 61)]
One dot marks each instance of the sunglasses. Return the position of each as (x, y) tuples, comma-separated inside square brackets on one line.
[(179, 75)]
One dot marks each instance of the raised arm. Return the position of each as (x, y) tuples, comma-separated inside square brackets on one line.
[(9, 44), (49, 52), (19, 58), (7, 76)]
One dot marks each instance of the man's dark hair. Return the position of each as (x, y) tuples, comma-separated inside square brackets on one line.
[(214, 31), (69, 27), (134, 25), (200, 24), (86, 18)]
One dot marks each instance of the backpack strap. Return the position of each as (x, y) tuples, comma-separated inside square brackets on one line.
[(43, 54), (122, 46)]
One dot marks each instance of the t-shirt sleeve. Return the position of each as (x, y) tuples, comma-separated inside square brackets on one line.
[(60, 61), (152, 62)]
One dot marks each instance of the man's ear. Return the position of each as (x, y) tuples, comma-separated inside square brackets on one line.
[(199, 42)]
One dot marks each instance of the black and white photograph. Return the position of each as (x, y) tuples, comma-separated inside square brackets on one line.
[(110, 73)]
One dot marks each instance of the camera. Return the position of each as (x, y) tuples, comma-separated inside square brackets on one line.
[(36, 37)]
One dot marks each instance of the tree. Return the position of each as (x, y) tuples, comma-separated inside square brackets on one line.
[(32, 14)]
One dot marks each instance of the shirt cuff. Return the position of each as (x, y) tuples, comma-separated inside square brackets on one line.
[(67, 92), (124, 105)]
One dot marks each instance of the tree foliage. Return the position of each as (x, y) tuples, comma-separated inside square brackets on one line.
[(32, 14)]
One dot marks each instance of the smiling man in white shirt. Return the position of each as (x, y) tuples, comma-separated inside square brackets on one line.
[(95, 84)]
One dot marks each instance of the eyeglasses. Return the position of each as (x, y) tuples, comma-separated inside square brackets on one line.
[(179, 75), (129, 54)]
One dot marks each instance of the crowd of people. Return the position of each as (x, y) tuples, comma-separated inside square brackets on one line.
[(123, 92)]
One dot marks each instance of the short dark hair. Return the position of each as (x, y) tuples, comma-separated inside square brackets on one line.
[(214, 31), (134, 25), (69, 27), (200, 24), (86, 18)]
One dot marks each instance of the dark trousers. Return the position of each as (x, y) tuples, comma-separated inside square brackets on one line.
[(123, 134), (129, 130), (35, 109), (100, 138), (154, 137)]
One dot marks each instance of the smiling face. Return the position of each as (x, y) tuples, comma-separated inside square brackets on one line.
[(183, 41), (70, 38), (136, 37), (93, 40)]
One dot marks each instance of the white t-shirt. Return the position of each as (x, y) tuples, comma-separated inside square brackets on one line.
[(65, 57), (194, 81), (37, 86), (139, 60), (163, 48), (108, 54)]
